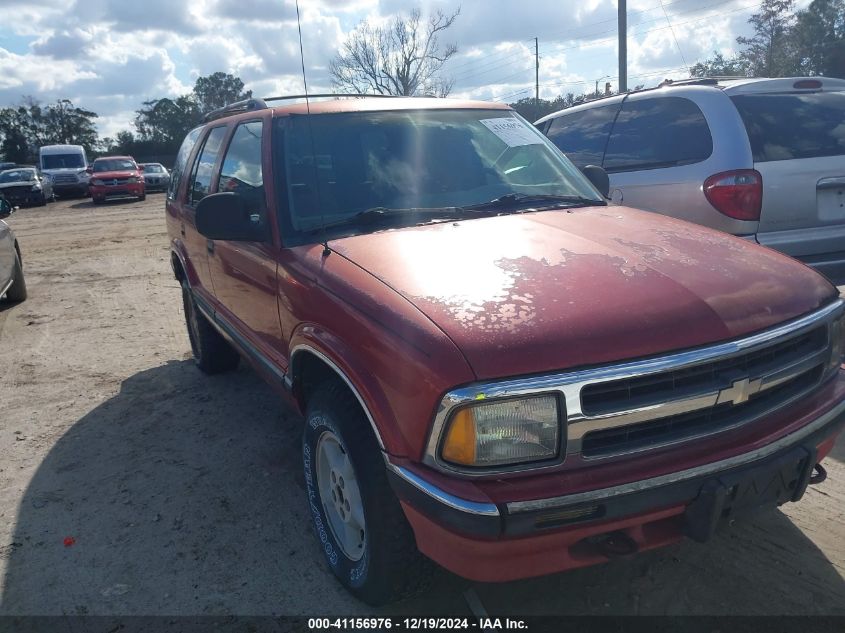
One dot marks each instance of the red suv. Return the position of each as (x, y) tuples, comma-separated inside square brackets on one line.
[(116, 177), (497, 370)]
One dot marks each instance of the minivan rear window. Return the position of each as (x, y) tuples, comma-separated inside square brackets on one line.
[(658, 132), (794, 125), (582, 135)]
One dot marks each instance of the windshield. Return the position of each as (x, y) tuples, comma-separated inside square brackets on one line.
[(153, 168), (61, 161), (114, 164), (419, 160), (17, 175)]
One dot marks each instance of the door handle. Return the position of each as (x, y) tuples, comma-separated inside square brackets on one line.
[(209, 246)]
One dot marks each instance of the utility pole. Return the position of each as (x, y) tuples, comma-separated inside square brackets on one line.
[(536, 78), (623, 46)]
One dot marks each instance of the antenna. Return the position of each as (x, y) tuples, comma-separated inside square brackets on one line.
[(326, 250)]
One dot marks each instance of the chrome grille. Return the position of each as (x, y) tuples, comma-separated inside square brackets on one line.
[(640, 412), (720, 417), (616, 395), (65, 179), (638, 405)]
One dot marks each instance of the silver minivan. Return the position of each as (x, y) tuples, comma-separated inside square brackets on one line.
[(761, 158)]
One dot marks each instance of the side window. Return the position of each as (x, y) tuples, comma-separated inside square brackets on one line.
[(241, 171), (181, 161), (658, 132), (204, 166), (582, 135)]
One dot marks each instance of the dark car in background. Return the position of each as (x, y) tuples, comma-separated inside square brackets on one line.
[(26, 187)]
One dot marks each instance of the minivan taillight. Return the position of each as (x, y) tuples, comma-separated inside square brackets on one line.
[(738, 194)]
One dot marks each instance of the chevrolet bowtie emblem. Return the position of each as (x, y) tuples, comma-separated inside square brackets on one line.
[(740, 391)]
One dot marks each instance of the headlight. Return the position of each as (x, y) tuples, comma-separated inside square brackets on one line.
[(503, 433), (837, 339), (36, 188), (132, 179), (96, 181)]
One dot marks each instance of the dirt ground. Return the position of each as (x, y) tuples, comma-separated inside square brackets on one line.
[(130, 483)]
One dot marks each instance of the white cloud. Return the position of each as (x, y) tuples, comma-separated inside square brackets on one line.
[(110, 56)]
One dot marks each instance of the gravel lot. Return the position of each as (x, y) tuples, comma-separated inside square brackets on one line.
[(130, 483)]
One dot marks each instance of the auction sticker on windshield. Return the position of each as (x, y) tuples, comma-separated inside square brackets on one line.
[(512, 132)]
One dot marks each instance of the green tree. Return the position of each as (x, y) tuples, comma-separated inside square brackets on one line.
[(403, 57), (25, 128), (770, 52), (218, 90), (819, 37), (720, 66)]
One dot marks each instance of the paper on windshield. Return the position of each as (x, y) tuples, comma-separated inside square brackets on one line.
[(512, 132)]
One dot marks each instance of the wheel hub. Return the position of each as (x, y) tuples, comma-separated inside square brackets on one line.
[(340, 496)]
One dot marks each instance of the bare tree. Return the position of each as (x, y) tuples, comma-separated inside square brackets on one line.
[(402, 58)]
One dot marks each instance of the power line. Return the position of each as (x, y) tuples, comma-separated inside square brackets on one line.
[(674, 37)]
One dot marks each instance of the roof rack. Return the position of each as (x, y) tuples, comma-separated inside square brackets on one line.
[(255, 103), (701, 81)]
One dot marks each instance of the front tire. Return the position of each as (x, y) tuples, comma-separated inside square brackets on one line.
[(363, 533), (17, 291), (212, 353)]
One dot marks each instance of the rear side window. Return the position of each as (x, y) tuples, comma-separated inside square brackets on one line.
[(181, 161), (204, 166), (655, 133), (787, 126), (582, 135), (241, 170)]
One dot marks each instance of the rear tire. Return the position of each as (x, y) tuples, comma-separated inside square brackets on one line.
[(212, 353), (381, 564), (43, 201), (17, 291)]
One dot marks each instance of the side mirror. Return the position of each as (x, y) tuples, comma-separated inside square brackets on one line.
[(5, 208), (140, 168), (223, 216), (89, 170), (599, 178)]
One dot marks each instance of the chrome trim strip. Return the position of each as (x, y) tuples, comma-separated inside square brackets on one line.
[(339, 372), (569, 385), (683, 475), (456, 503)]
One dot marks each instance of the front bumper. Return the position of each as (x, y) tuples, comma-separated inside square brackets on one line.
[(66, 188), (29, 198), (121, 191), (507, 541)]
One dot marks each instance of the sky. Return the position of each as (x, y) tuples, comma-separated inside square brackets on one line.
[(109, 56)]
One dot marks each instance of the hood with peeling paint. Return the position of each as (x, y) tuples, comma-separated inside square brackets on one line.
[(541, 291)]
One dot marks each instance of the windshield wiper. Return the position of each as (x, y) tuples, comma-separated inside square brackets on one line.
[(512, 200), (380, 214)]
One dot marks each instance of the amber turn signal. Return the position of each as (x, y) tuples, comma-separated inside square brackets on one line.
[(460, 443)]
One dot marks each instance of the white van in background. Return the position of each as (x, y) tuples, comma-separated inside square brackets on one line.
[(65, 165)]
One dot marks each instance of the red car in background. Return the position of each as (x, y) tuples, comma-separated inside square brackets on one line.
[(116, 177)]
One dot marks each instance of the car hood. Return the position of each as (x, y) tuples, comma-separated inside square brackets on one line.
[(553, 290), (19, 183), (109, 175)]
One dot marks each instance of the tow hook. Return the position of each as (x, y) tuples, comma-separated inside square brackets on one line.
[(614, 544), (818, 476)]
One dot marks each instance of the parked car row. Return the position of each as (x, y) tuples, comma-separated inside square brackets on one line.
[(759, 158)]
